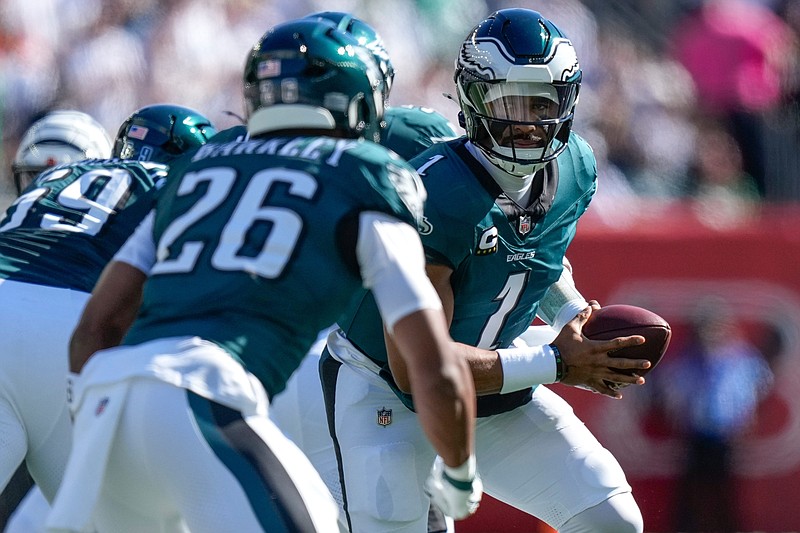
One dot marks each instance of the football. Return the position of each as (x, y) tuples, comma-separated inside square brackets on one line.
[(622, 320)]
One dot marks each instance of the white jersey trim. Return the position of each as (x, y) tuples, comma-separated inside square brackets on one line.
[(139, 250), (392, 264)]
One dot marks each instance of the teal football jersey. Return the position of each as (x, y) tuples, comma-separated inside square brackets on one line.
[(256, 244), (410, 130), (64, 228), (234, 133), (503, 257)]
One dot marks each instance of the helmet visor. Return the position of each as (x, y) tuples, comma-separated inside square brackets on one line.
[(522, 120), (525, 102)]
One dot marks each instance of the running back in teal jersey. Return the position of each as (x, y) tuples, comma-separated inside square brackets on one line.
[(504, 257), (71, 220), (283, 266)]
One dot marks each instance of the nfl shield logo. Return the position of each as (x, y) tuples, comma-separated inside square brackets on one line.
[(384, 417), (524, 224)]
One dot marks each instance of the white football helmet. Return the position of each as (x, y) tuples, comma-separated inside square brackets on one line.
[(59, 137)]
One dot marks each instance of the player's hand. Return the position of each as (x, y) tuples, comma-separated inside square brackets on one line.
[(588, 364), (456, 491)]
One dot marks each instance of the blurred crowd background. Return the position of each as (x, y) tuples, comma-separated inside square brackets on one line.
[(688, 98)]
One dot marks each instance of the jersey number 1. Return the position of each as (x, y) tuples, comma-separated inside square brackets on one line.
[(509, 298)]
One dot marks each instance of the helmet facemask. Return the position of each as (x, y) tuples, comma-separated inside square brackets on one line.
[(37, 158), (520, 126)]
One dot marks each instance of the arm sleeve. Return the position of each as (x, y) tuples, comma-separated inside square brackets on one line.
[(392, 265), (562, 302), (139, 250)]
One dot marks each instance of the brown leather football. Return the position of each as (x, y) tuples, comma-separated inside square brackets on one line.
[(621, 320)]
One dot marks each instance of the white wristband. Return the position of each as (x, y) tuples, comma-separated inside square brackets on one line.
[(464, 472), (567, 312), (526, 367)]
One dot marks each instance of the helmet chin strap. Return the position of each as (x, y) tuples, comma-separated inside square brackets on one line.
[(516, 187)]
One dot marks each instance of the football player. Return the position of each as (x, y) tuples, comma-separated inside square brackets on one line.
[(503, 206), (254, 247), (299, 410), (407, 130), (60, 137), (55, 240)]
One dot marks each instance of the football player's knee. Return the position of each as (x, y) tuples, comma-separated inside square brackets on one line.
[(382, 482), (618, 514)]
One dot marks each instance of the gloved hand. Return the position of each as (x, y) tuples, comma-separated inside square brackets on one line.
[(456, 491)]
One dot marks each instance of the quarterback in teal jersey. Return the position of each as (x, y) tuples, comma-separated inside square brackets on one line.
[(55, 239), (253, 247), (503, 206)]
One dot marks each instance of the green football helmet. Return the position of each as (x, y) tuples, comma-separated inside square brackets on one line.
[(161, 132), (308, 74), (518, 78), (367, 37)]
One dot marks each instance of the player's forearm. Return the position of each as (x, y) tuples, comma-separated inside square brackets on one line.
[(511, 369), (484, 365), (86, 340), (562, 301), (446, 410), (108, 314), (441, 383)]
